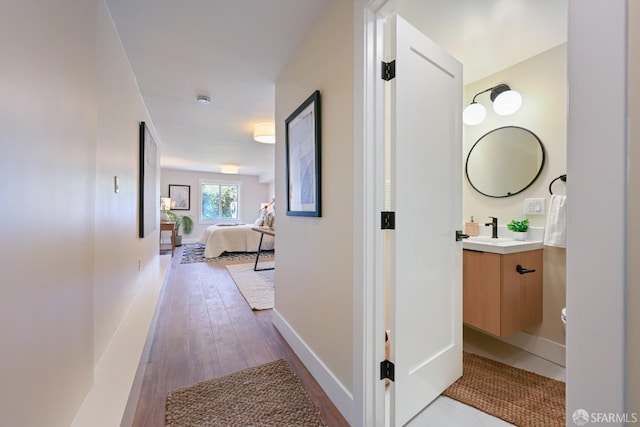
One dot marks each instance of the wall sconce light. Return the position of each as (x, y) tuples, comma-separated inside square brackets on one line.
[(165, 205), (229, 169), (265, 133), (505, 102)]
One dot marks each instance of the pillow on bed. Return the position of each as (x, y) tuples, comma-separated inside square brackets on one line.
[(270, 219), (260, 221)]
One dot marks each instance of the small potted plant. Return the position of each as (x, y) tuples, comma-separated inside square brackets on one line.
[(519, 228), (181, 220)]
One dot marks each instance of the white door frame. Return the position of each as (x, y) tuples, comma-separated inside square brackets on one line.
[(368, 201), (368, 188), (597, 144)]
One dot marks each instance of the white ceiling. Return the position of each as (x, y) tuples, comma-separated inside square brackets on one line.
[(490, 35), (233, 52)]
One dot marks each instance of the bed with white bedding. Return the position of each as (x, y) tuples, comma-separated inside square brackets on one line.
[(233, 238)]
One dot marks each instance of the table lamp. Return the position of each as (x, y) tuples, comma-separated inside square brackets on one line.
[(165, 205)]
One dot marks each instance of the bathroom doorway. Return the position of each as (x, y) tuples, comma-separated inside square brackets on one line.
[(594, 332), (384, 325)]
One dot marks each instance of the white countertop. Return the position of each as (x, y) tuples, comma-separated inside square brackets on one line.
[(504, 244)]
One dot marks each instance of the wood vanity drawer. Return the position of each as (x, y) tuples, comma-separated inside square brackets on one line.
[(497, 297)]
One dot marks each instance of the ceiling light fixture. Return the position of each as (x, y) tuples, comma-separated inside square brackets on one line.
[(204, 100), (265, 133), (505, 102), (229, 169)]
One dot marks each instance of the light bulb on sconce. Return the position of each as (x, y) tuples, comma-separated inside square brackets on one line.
[(474, 114), (505, 102)]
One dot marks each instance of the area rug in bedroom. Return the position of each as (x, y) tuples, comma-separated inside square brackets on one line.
[(257, 287), (514, 395), (194, 252), (267, 395)]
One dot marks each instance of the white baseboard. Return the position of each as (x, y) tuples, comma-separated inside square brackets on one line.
[(542, 347), (112, 399), (339, 395), (152, 298)]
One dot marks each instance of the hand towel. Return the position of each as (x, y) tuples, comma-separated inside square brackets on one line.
[(555, 234)]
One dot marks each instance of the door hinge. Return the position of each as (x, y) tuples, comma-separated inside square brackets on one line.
[(387, 370), (389, 70), (388, 220)]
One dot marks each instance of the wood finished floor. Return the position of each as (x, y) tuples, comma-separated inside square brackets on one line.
[(206, 330)]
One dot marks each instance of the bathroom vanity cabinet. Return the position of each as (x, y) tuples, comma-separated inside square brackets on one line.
[(498, 296)]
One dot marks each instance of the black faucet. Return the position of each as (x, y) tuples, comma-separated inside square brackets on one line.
[(494, 227)]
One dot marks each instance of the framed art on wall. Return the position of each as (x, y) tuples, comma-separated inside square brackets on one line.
[(303, 159), (149, 200), (180, 196)]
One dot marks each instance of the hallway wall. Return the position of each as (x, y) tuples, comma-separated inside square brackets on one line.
[(68, 125), (120, 256), (314, 290)]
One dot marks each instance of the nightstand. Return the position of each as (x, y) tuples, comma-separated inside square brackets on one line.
[(168, 226)]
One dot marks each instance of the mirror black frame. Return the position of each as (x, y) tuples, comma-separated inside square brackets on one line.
[(466, 166)]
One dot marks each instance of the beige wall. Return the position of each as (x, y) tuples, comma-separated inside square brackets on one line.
[(542, 82), (253, 193), (118, 250), (314, 291), (68, 125), (633, 192)]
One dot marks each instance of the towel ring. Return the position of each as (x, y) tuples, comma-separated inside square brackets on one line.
[(562, 178)]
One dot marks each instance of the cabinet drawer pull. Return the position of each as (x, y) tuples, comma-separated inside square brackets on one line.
[(520, 269)]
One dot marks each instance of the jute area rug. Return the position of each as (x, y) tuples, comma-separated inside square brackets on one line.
[(194, 252), (514, 395), (257, 287), (267, 395)]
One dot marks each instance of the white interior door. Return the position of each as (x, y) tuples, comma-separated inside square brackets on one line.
[(426, 195)]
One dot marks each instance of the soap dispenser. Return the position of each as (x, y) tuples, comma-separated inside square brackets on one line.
[(471, 228)]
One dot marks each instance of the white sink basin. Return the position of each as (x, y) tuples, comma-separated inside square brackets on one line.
[(501, 245), (491, 240)]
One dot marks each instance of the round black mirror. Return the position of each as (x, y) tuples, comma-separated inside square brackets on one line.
[(505, 161)]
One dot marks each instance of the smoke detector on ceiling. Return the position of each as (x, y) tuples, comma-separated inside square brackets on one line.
[(204, 100)]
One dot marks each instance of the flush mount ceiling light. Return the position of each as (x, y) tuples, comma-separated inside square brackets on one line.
[(265, 133), (505, 102), (229, 169), (204, 100)]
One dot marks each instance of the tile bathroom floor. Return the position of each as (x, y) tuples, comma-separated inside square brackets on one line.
[(446, 412)]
